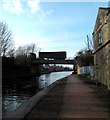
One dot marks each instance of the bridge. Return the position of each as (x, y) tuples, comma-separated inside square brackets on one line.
[(57, 61), (53, 58)]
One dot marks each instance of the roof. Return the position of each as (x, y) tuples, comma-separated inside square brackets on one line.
[(105, 8)]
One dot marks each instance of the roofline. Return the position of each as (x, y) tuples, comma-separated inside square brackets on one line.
[(104, 7)]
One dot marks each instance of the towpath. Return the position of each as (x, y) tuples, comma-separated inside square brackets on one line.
[(76, 101)]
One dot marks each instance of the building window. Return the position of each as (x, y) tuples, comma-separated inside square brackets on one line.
[(100, 38)]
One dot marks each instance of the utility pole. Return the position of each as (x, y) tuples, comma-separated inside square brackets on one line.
[(88, 43)]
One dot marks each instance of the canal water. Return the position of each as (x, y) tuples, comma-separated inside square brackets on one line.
[(14, 99)]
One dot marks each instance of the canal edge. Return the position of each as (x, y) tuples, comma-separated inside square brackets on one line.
[(23, 110)]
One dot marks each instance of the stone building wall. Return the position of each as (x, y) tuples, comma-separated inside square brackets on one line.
[(102, 56)]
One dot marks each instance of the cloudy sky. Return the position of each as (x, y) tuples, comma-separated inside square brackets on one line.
[(52, 26)]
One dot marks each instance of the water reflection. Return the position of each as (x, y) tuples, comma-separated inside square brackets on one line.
[(47, 79), (15, 97), (10, 103), (44, 81)]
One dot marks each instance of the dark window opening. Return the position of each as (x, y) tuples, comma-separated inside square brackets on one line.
[(100, 40)]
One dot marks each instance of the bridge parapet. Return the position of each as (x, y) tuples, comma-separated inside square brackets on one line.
[(69, 58), (58, 61)]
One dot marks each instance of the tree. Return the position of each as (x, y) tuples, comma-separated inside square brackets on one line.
[(27, 49), (24, 54), (6, 41), (84, 58)]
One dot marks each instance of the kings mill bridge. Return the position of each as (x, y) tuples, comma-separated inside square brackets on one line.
[(51, 58)]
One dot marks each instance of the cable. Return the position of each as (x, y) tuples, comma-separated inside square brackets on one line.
[(76, 38)]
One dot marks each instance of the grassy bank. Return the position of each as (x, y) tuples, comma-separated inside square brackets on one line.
[(100, 90)]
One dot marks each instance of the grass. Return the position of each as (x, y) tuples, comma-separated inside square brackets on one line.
[(100, 90)]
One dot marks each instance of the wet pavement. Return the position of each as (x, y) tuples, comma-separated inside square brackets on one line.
[(75, 100)]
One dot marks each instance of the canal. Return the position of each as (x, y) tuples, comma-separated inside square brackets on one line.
[(12, 100)]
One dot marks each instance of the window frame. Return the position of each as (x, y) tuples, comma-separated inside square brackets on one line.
[(100, 37)]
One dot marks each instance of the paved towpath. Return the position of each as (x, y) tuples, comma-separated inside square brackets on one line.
[(78, 101)]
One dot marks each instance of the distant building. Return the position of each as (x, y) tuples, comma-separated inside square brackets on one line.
[(101, 37)]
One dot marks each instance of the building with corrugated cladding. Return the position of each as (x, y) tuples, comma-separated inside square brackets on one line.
[(101, 37)]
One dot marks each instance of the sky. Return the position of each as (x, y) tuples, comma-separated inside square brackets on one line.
[(52, 26)]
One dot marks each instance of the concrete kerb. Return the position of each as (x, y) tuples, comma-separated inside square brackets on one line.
[(25, 108)]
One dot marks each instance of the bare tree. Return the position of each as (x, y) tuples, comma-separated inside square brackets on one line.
[(20, 51), (23, 53), (84, 58), (6, 41), (27, 49), (30, 49)]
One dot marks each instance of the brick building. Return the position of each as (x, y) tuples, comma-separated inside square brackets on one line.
[(101, 37)]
